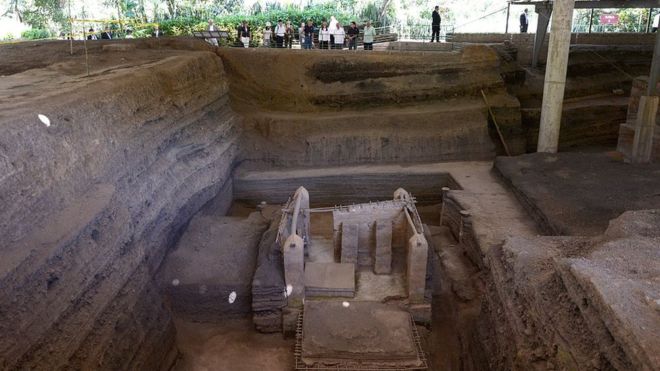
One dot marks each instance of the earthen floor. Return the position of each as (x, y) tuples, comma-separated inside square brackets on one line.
[(232, 345)]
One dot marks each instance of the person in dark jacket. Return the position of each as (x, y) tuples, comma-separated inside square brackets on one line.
[(353, 33), (309, 35), (244, 34), (524, 22), (435, 24), (106, 35)]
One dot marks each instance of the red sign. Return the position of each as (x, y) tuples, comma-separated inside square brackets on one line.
[(609, 19)]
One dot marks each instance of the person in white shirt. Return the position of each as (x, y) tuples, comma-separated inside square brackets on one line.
[(332, 25), (280, 31), (369, 34), (324, 36), (213, 41), (301, 34), (656, 23), (339, 35), (267, 35)]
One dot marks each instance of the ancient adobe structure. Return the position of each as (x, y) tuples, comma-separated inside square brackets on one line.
[(120, 218)]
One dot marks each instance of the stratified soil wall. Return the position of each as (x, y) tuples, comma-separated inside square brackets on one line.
[(547, 302), (327, 108), (91, 203)]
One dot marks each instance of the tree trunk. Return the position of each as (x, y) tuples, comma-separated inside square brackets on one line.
[(383, 10)]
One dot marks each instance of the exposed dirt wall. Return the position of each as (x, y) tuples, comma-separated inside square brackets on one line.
[(320, 108), (91, 203)]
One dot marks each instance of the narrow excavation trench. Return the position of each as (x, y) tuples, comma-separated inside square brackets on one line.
[(450, 328)]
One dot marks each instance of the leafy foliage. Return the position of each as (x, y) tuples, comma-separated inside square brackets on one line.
[(35, 34), (181, 17), (257, 22), (630, 20)]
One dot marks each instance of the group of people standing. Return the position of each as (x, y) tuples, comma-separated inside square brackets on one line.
[(334, 36), (330, 35), (104, 35)]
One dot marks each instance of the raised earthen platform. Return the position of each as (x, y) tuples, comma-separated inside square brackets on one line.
[(358, 335), (579, 193)]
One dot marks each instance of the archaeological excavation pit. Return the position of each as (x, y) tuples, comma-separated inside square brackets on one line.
[(185, 207)]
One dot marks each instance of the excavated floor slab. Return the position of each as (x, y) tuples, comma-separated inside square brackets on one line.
[(349, 332), (579, 193)]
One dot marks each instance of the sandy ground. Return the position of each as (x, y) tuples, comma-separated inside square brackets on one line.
[(233, 345)]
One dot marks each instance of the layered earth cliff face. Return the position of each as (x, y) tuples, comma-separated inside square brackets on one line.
[(334, 108), (598, 85), (91, 203)]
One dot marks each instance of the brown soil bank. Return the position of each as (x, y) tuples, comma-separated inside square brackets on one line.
[(319, 108), (90, 204), (526, 302)]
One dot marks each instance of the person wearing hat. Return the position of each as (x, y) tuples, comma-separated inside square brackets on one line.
[(280, 31), (267, 35)]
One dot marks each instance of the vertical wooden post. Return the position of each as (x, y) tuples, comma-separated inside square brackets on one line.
[(508, 10)]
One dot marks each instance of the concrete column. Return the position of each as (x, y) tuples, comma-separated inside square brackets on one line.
[(555, 76), (644, 130), (654, 75)]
